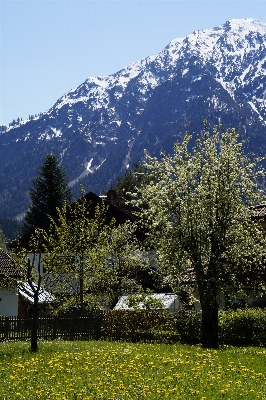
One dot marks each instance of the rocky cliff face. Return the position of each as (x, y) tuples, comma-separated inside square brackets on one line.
[(101, 127)]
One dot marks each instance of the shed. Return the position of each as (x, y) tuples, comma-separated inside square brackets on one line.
[(10, 273), (26, 292), (170, 302)]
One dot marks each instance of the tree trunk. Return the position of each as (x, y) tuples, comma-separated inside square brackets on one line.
[(34, 330), (81, 285), (81, 294), (209, 305), (209, 327)]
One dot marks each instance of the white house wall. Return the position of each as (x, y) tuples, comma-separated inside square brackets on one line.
[(175, 305), (8, 303), (35, 257), (221, 301)]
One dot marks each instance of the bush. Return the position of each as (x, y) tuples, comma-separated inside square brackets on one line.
[(243, 327), (188, 325), (72, 307), (152, 325), (238, 328), (139, 325)]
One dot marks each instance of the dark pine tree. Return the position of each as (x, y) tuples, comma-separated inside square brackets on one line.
[(128, 183), (49, 190)]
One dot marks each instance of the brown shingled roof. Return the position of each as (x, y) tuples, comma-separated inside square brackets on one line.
[(121, 215), (259, 212), (8, 267)]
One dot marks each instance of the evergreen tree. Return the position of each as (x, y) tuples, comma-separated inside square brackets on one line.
[(128, 183), (2, 240), (10, 228), (49, 190)]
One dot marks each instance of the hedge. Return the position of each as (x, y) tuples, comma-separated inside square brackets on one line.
[(245, 327), (152, 326), (238, 328), (139, 325)]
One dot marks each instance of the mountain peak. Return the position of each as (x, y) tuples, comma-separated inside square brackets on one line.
[(101, 127), (246, 24)]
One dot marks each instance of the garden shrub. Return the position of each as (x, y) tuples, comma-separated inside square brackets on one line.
[(72, 307), (150, 325), (188, 325), (238, 328), (245, 327), (139, 325)]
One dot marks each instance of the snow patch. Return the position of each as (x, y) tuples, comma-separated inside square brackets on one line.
[(57, 132), (254, 108), (88, 170)]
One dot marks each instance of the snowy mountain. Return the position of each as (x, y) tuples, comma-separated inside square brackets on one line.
[(101, 127)]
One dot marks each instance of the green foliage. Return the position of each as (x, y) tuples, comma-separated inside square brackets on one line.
[(72, 306), (74, 247), (126, 261), (91, 256), (126, 185), (30, 261), (243, 327), (188, 326), (139, 325), (198, 211), (236, 328), (2, 240), (153, 325), (10, 228), (48, 192), (143, 300)]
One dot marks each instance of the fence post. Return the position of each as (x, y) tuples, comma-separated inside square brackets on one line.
[(6, 328), (54, 327), (99, 323)]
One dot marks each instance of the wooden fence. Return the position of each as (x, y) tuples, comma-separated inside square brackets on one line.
[(83, 327)]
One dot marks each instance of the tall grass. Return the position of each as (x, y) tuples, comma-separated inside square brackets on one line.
[(120, 371)]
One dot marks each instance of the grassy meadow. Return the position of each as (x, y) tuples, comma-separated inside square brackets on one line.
[(121, 371)]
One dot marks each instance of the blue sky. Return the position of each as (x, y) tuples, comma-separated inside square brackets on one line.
[(51, 46)]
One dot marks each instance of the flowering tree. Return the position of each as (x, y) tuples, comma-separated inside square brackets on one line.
[(91, 256), (126, 261), (201, 226)]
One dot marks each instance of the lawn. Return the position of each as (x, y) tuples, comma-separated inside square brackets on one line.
[(120, 371)]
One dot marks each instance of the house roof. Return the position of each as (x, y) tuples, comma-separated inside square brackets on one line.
[(8, 267), (166, 299), (120, 216), (26, 291), (259, 212)]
